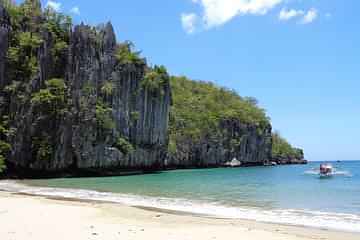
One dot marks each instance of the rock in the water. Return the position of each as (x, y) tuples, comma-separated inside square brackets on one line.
[(233, 163)]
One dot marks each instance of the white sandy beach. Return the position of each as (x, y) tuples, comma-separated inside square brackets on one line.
[(37, 218)]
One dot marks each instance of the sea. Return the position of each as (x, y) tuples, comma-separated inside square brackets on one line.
[(293, 194)]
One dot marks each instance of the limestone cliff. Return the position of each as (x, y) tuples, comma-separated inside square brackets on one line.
[(68, 136), (243, 142), (73, 100)]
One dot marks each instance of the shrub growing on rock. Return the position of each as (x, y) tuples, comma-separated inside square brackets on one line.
[(123, 146)]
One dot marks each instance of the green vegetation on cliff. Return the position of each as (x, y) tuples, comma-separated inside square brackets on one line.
[(30, 28), (103, 116), (155, 79), (123, 145), (198, 108), (51, 100), (125, 54), (282, 149), (4, 146)]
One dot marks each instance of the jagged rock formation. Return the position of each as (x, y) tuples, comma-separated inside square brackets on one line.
[(73, 141), (93, 63), (75, 101)]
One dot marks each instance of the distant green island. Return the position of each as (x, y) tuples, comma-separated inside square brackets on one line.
[(74, 101)]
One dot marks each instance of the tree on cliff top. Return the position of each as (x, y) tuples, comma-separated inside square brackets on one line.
[(125, 54), (198, 108), (282, 149)]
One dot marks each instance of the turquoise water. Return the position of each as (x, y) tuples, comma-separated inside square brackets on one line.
[(283, 194)]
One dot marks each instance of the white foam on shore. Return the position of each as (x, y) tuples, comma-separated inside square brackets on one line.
[(334, 221)]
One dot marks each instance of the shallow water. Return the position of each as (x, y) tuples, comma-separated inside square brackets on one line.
[(282, 194)]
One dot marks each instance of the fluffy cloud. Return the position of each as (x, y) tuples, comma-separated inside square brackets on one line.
[(289, 14), (310, 16), (56, 6), (188, 21), (306, 17), (75, 10), (218, 12)]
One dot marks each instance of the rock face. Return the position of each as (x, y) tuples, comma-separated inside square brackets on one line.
[(284, 160), (88, 67), (4, 41), (245, 143), (78, 143), (73, 142)]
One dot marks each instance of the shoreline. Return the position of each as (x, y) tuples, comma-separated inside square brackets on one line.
[(292, 218), (91, 219), (40, 175)]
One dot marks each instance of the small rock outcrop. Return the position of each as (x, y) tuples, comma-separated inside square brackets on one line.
[(233, 163)]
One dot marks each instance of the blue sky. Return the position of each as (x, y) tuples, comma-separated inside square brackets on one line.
[(299, 58)]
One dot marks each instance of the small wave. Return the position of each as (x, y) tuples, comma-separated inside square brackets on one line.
[(342, 173), (312, 172), (336, 221)]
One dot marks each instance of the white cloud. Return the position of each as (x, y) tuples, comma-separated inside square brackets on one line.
[(285, 14), (218, 12), (75, 10), (56, 6), (310, 16), (188, 21)]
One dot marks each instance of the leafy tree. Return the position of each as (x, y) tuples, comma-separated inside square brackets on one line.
[(29, 24), (282, 149), (123, 146), (22, 55), (126, 55), (199, 107), (14, 12), (29, 41), (51, 100), (59, 26), (155, 79), (2, 163), (108, 88), (103, 116), (4, 146)]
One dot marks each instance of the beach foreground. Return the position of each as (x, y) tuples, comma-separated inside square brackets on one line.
[(31, 217)]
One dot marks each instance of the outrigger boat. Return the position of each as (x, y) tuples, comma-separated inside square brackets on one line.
[(326, 170)]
